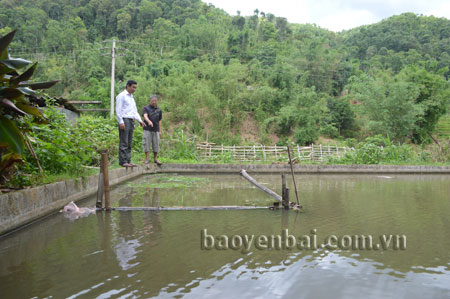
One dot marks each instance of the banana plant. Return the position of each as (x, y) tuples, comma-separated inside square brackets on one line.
[(15, 88)]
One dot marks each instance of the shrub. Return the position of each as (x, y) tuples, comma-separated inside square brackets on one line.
[(329, 130), (62, 146), (100, 134), (179, 147), (56, 150), (376, 150)]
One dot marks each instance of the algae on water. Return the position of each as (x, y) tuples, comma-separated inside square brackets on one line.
[(164, 182)]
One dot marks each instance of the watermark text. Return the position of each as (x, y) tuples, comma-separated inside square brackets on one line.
[(288, 241)]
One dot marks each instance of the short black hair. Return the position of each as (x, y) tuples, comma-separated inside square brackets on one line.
[(131, 82)]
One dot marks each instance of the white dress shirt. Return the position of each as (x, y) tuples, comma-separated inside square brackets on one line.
[(126, 107)]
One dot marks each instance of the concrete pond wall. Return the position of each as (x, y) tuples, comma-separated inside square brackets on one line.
[(22, 207), (306, 169), (25, 206)]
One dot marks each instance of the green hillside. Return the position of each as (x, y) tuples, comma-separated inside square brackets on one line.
[(235, 79)]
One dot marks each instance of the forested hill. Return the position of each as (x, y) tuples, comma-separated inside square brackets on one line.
[(407, 38), (243, 79)]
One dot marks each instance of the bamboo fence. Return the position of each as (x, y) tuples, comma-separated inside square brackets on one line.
[(319, 153)]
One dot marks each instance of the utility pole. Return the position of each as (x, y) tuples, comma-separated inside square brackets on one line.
[(113, 55)]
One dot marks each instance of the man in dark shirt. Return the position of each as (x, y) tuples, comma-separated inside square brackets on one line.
[(152, 132)]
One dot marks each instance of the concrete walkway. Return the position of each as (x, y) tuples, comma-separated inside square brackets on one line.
[(310, 169)]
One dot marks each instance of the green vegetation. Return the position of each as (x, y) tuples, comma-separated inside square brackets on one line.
[(15, 108), (234, 80), (379, 150), (225, 78), (66, 148)]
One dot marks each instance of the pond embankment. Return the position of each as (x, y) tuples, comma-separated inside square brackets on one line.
[(25, 206), (306, 169)]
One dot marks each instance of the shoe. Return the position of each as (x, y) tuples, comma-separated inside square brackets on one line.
[(146, 162), (132, 165), (158, 163), (126, 165)]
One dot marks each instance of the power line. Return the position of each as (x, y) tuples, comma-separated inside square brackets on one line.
[(227, 54), (167, 55)]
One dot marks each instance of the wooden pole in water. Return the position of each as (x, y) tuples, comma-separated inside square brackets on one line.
[(101, 183), (100, 190), (293, 178), (284, 219), (106, 179), (254, 182), (286, 198), (284, 192), (198, 208)]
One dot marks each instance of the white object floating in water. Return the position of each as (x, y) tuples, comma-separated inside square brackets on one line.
[(384, 177), (72, 211)]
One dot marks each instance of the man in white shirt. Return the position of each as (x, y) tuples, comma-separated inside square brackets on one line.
[(126, 114)]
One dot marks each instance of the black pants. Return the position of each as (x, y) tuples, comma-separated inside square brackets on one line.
[(125, 140)]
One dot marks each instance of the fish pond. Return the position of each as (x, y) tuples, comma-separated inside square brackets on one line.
[(382, 236)]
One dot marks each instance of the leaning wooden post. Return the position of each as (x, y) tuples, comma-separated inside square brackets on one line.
[(293, 178), (106, 179), (254, 182)]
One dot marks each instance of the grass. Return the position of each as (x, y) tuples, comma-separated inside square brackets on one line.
[(139, 158), (38, 179)]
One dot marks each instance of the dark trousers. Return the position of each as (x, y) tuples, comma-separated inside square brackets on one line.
[(125, 139)]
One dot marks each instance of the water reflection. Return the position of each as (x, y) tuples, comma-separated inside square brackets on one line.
[(148, 254), (133, 230)]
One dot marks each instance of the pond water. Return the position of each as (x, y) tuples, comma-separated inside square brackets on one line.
[(144, 254)]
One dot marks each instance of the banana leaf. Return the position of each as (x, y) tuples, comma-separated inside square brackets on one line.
[(10, 134), (4, 43), (39, 85), (24, 76), (10, 93), (10, 105), (39, 117), (13, 64), (27, 91)]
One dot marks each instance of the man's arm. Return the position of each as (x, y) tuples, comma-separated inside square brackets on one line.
[(160, 126), (119, 104), (148, 120)]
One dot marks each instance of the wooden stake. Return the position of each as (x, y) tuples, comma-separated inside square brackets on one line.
[(284, 192), (293, 178), (284, 219), (100, 190), (106, 179)]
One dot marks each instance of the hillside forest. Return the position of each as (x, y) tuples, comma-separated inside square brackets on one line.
[(219, 75), (235, 79)]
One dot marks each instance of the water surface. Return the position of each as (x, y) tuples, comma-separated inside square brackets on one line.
[(143, 254)]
